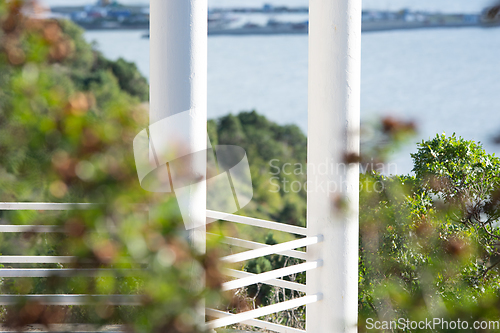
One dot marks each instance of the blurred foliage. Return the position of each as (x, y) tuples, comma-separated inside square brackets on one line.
[(429, 242), (68, 117)]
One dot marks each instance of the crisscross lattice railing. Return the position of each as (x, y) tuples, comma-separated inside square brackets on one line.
[(273, 277)]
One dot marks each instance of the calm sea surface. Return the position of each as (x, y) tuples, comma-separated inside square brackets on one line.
[(447, 80)]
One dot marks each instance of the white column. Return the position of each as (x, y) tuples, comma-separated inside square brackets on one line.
[(178, 83), (334, 103)]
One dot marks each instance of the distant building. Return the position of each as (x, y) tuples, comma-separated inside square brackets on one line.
[(471, 18), (267, 8), (408, 16)]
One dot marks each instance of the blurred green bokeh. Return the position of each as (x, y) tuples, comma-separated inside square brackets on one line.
[(68, 117)]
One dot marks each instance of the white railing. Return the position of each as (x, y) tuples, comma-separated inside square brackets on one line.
[(244, 279), (259, 312), (257, 222), (241, 278), (63, 300), (72, 300), (255, 322)]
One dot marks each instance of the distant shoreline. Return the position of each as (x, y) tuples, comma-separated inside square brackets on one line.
[(221, 21), (366, 27), (287, 30)]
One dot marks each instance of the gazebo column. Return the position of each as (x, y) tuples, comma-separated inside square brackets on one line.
[(333, 134)]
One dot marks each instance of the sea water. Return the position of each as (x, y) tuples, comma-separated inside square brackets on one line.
[(447, 80)]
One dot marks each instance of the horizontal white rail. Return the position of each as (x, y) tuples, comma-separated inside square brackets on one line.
[(42, 206), (274, 282), (257, 222), (238, 257), (255, 322), (30, 228), (73, 328), (255, 245), (46, 206), (59, 260), (266, 276), (132, 300), (65, 272), (37, 259), (264, 311), (244, 278)]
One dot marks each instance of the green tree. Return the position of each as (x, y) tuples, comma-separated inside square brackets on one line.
[(429, 241), (89, 68), (277, 156)]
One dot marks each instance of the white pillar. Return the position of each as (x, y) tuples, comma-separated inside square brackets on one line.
[(334, 103), (178, 83)]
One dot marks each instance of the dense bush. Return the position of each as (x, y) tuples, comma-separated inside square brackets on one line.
[(90, 70), (429, 242), (269, 146)]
